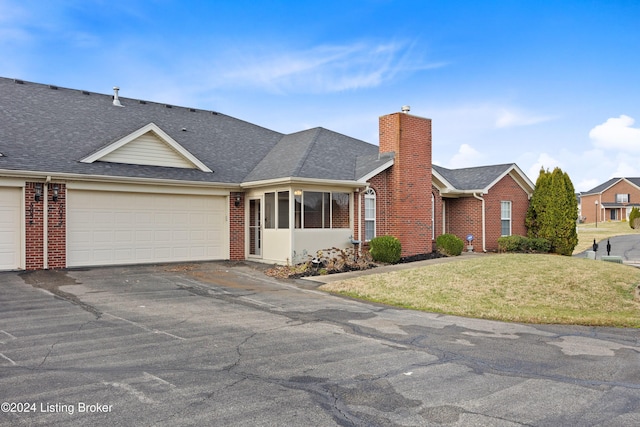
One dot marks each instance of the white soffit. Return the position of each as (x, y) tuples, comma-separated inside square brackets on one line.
[(149, 146)]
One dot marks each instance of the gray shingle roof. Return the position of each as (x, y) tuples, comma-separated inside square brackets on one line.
[(476, 178), (315, 153), (48, 129), (600, 188)]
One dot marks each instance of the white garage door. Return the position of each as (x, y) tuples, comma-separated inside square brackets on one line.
[(109, 228), (10, 228)]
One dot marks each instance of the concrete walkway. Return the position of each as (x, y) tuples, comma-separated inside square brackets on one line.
[(328, 278)]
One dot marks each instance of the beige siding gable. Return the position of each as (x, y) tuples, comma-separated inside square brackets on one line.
[(147, 149), (150, 146)]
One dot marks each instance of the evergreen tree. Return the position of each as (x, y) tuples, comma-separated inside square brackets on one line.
[(634, 218), (553, 211)]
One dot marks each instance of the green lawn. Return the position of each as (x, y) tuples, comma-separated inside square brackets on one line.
[(510, 287)]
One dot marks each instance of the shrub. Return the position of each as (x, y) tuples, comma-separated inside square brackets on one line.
[(523, 244), (512, 243), (634, 218), (449, 244), (538, 244), (385, 249)]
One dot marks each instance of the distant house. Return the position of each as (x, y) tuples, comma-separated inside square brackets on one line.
[(610, 201), (89, 179)]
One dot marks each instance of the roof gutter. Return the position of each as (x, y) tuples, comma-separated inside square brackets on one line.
[(484, 242), (303, 181), (116, 179)]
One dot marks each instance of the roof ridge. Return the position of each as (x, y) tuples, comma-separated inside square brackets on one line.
[(304, 157)]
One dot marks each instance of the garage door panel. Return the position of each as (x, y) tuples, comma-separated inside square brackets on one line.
[(120, 256), (143, 236), (123, 236), (127, 228), (10, 228)]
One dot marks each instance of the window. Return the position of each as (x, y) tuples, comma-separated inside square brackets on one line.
[(369, 214), (283, 209), (433, 217), (315, 209), (270, 210), (339, 210), (505, 216), (276, 213), (622, 198), (313, 215)]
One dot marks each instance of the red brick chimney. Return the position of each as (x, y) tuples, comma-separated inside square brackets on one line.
[(410, 201)]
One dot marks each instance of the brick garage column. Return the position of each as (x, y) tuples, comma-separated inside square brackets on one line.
[(236, 226), (57, 226), (34, 226)]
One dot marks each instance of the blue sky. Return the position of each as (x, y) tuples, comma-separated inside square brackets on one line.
[(539, 83)]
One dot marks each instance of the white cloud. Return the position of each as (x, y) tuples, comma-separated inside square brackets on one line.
[(467, 156), (618, 134), (587, 184), (510, 118), (625, 169), (320, 69), (544, 161)]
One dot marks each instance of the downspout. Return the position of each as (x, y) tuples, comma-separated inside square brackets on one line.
[(360, 221), (45, 224), (484, 243)]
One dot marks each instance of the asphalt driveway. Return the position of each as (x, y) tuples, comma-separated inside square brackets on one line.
[(627, 247), (222, 344)]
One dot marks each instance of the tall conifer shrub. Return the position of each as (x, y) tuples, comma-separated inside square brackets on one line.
[(553, 211)]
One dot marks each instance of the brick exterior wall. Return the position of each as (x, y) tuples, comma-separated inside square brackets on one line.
[(236, 228), (588, 208), (505, 190), (588, 205), (379, 184), (57, 227), (409, 181), (464, 215), (34, 227)]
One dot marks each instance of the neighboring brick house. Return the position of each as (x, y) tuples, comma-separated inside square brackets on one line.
[(487, 202), (610, 201), (89, 179)]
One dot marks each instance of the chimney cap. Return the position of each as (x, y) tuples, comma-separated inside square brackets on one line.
[(406, 109)]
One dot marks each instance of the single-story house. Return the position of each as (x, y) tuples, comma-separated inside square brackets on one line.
[(610, 201), (89, 179)]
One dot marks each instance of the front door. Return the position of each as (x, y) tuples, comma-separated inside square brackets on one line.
[(255, 228)]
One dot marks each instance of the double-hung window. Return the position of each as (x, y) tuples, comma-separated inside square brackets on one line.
[(369, 214), (505, 218), (622, 198)]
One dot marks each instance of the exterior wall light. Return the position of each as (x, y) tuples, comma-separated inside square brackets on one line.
[(237, 201), (56, 192), (38, 195)]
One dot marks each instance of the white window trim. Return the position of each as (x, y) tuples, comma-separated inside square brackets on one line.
[(510, 219), (370, 194), (433, 217)]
